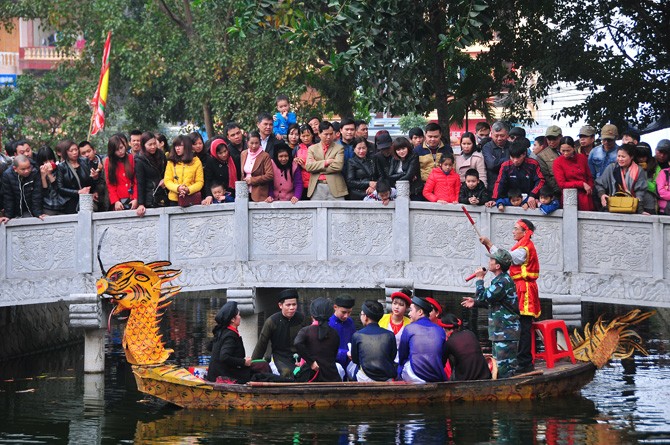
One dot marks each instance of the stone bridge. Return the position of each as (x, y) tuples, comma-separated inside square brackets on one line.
[(585, 256)]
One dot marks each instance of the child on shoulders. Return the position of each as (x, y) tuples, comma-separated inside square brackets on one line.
[(283, 117)]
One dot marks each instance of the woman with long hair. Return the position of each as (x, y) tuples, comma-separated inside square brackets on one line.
[(184, 174), (150, 169), (199, 147), (404, 166), (287, 181), (120, 175), (163, 144), (75, 176)]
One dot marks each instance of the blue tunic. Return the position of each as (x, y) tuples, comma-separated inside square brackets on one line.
[(423, 344), (345, 329)]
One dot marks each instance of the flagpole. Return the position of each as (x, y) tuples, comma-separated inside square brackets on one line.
[(101, 91)]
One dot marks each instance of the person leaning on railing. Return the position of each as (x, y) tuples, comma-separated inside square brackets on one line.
[(626, 176), (184, 173)]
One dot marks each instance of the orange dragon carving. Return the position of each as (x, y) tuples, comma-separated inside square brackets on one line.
[(140, 288)]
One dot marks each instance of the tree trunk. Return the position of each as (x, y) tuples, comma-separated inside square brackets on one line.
[(207, 115), (439, 71)]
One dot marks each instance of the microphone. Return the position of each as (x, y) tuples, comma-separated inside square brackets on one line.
[(473, 275)]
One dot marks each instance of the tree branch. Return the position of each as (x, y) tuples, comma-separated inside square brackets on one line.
[(163, 7)]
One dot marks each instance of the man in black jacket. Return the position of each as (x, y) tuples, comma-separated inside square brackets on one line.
[(373, 348), (22, 190)]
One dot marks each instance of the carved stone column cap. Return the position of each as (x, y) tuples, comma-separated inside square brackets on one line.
[(244, 297), (86, 202), (241, 190), (402, 187), (569, 197)]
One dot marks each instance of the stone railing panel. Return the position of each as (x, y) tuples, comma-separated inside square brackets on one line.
[(615, 246), (360, 234), (665, 242), (202, 237), (44, 249), (127, 239), (280, 235), (618, 289), (442, 235)]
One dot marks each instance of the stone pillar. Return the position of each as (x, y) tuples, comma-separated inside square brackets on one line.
[(567, 308), (401, 223), (570, 232), (246, 303), (86, 312), (84, 234), (393, 285), (241, 228)]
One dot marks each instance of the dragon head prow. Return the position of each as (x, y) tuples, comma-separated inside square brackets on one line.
[(132, 284), (140, 288)]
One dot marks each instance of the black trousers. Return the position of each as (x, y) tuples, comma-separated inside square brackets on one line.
[(525, 357)]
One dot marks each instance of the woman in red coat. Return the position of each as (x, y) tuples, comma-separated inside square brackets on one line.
[(120, 175), (571, 171)]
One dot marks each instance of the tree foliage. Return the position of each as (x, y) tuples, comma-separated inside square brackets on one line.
[(31, 110), (615, 52), (173, 60), (210, 61), (400, 56)]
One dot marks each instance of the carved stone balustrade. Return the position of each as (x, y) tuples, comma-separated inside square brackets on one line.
[(585, 256)]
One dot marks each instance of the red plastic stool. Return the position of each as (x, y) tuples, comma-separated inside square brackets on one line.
[(549, 329)]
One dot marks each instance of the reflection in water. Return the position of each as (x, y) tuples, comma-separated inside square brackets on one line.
[(47, 399), (523, 423)]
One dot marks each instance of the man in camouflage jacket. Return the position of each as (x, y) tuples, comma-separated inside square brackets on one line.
[(501, 299)]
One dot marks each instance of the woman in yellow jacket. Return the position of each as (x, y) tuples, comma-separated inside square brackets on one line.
[(184, 174)]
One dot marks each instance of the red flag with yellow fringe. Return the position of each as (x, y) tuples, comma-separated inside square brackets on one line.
[(99, 101)]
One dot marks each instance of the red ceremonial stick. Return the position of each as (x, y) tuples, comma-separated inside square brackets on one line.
[(472, 221)]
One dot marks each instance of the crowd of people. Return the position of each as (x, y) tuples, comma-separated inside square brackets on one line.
[(410, 343), (282, 160)]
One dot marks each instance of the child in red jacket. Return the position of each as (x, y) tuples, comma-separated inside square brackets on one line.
[(443, 183)]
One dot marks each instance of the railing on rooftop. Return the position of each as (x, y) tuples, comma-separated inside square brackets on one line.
[(48, 53)]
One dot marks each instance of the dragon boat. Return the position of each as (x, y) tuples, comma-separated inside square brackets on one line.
[(144, 289)]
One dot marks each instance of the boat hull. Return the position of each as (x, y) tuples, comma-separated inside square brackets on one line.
[(163, 383)]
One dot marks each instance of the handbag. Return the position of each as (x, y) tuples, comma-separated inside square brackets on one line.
[(622, 202), (189, 200), (160, 196)]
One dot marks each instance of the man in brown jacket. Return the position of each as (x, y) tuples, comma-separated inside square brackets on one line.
[(325, 162)]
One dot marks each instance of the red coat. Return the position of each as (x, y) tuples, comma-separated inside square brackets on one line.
[(572, 173), (125, 187), (525, 276), (441, 186)]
